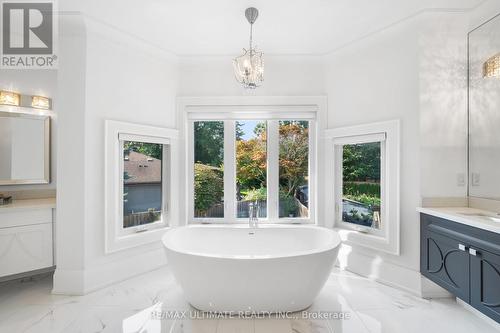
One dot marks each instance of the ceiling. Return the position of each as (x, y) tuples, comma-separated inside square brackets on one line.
[(218, 27)]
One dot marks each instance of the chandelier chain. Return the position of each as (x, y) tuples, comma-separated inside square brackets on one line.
[(249, 67), (251, 38)]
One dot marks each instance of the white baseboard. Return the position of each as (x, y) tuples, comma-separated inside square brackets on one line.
[(68, 282), (81, 282), (382, 271)]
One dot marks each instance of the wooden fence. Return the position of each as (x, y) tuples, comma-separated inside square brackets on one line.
[(134, 219), (217, 211)]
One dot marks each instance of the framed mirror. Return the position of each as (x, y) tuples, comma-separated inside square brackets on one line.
[(24, 149), (484, 110)]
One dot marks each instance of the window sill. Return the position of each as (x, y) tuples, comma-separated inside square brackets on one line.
[(135, 239), (245, 221), (368, 240)]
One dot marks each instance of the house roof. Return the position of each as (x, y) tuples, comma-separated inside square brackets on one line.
[(142, 169)]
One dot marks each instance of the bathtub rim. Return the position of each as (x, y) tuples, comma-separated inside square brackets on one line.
[(334, 244)]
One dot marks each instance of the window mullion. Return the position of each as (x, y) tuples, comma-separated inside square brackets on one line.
[(229, 170), (165, 177), (273, 170), (190, 170)]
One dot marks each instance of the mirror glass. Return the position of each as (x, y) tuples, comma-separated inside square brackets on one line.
[(484, 110), (24, 149)]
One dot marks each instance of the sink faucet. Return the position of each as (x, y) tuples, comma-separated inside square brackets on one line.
[(253, 215)]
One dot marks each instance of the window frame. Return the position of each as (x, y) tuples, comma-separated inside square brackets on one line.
[(339, 181), (165, 183), (116, 236), (230, 118), (387, 239)]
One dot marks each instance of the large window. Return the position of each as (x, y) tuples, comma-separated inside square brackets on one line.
[(365, 182), (242, 162)]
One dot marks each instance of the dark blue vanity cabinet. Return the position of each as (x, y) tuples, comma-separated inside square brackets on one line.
[(464, 260)]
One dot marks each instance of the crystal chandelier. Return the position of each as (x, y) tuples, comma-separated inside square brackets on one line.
[(249, 67)]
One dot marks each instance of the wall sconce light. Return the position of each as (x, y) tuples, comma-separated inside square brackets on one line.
[(9, 98), (491, 67), (40, 102)]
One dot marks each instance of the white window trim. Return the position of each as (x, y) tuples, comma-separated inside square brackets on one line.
[(116, 237), (165, 188), (312, 108), (388, 238)]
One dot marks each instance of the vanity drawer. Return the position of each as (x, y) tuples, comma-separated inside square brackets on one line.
[(25, 217), (26, 248)]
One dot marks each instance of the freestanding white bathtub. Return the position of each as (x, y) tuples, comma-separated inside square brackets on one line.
[(271, 268)]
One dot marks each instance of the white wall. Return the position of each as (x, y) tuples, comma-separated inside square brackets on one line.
[(130, 82), (415, 71), (373, 80), (125, 80), (284, 75), (70, 212)]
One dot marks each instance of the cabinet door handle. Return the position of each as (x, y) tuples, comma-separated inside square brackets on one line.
[(473, 252), (462, 247)]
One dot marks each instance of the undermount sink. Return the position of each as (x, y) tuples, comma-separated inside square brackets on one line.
[(483, 216)]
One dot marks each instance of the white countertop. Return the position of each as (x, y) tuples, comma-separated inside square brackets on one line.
[(29, 204), (473, 217)]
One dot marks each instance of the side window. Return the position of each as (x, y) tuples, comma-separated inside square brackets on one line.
[(142, 183), (139, 163), (365, 179), (361, 184)]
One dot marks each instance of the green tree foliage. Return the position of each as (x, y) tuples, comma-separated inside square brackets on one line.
[(208, 187), (209, 142), (361, 173), (251, 160), (239, 131), (260, 129), (259, 194), (293, 155), (361, 162), (355, 188)]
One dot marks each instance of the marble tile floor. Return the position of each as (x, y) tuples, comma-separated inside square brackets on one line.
[(154, 303)]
